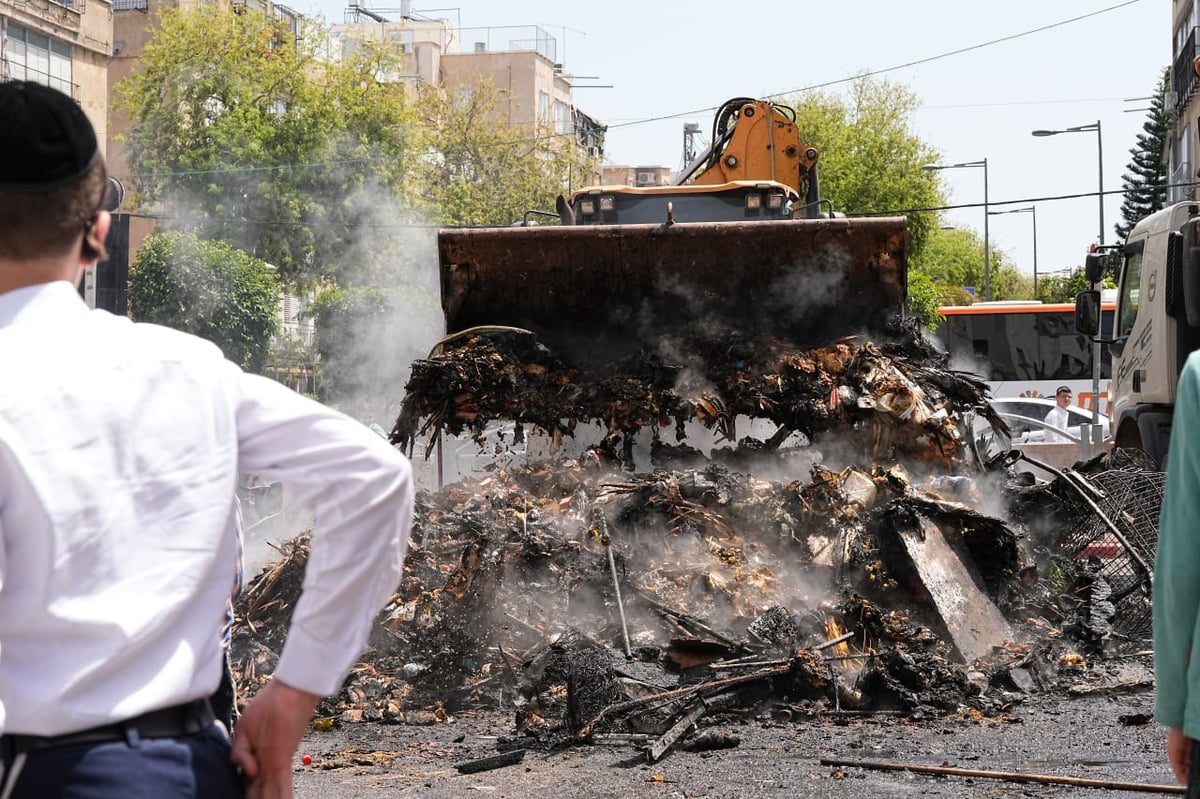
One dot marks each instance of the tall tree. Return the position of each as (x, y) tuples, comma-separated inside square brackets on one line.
[(245, 132), (1062, 286), (870, 158), (482, 171), (326, 168), (1145, 181), (953, 260)]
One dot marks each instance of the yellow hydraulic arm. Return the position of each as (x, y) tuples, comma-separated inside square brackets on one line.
[(757, 140)]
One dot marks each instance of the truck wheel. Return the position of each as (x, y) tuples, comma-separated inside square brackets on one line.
[(1128, 436), (1148, 433)]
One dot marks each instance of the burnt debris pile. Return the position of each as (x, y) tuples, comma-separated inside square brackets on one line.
[(596, 601), (890, 398)]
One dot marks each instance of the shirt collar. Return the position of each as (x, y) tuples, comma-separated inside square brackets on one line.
[(40, 301)]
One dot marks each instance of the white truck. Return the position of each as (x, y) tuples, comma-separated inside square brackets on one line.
[(1157, 323)]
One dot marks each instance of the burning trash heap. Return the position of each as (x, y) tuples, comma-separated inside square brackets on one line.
[(594, 600)]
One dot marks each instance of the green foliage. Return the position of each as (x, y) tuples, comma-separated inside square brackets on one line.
[(209, 289), (1008, 282), (953, 260), (246, 132), (484, 172), (1145, 181), (924, 299), (1061, 287), (870, 158), (320, 165)]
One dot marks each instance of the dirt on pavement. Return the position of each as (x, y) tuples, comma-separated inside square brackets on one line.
[(1101, 730)]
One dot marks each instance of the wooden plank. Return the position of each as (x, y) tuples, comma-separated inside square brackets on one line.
[(974, 622), (677, 731)]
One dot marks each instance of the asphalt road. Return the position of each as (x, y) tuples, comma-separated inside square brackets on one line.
[(1088, 737)]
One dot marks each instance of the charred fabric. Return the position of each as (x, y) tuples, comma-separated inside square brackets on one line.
[(595, 602)]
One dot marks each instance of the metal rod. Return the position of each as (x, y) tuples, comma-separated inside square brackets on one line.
[(834, 642), (1098, 286), (602, 525), (1035, 271), (612, 565), (1010, 776), (987, 242), (691, 623), (1134, 555), (755, 665)]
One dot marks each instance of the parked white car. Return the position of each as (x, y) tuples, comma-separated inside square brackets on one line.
[(1025, 417)]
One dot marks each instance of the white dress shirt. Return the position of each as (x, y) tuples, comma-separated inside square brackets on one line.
[(120, 447), (1060, 419)]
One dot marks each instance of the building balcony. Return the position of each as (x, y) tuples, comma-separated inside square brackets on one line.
[(1183, 72), (60, 12)]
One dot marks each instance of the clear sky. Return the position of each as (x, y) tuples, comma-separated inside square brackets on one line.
[(671, 62)]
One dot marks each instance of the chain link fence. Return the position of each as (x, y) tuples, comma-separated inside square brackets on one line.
[(1111, 566)]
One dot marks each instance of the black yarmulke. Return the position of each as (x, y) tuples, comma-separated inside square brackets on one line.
[(46, 141)]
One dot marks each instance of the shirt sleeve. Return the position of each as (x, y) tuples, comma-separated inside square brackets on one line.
[(1177, 562), (360, 490)]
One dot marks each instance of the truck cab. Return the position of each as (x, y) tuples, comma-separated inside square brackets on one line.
[(1157, 326)]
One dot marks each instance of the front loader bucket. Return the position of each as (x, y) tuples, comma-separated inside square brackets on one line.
[(613, 285)]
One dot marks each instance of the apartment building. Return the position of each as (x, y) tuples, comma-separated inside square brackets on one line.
[(65, 44), (1183, 100), (637, 176), (520, 60)]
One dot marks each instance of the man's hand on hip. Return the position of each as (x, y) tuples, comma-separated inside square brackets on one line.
[(267, 736)]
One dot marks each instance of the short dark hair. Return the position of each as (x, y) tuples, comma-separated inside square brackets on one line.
[(47, 225), (1062, 390)]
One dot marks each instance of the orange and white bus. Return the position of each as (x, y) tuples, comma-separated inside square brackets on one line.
[(1026, 348)]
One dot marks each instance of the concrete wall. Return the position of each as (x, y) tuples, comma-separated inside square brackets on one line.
[(523, 75)]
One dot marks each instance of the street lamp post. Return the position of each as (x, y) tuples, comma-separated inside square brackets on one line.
[(1097, 286), (1030, 210), (987, 245), (1099, 154)]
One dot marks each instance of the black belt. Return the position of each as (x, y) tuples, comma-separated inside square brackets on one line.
[(171, 722)]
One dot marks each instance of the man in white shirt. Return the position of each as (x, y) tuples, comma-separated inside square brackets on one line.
[(1058, 416), (120, 449)]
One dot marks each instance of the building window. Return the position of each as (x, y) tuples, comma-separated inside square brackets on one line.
[(543, 106), (35, 57), (563, 123)]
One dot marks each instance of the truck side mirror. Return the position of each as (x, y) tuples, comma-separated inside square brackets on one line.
[(1093, 268), (1087, 312)]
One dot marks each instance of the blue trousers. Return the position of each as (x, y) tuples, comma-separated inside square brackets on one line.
[(1193, 783), (189, 767)]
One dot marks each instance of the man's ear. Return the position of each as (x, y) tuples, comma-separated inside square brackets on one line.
[(94, 234)]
